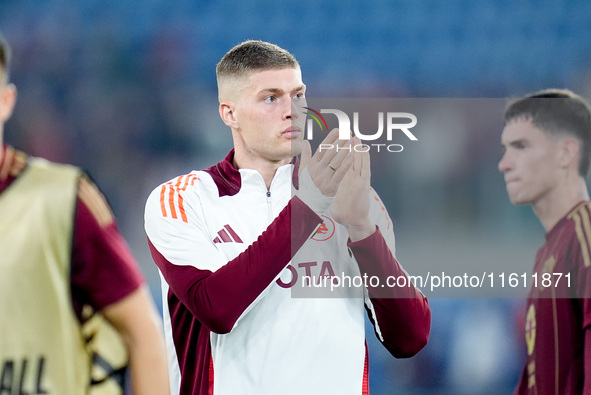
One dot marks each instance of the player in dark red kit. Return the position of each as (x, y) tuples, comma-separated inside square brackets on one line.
[(547, 142), (75, 310)]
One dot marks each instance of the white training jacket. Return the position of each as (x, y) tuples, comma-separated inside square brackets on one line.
[(249, 284)]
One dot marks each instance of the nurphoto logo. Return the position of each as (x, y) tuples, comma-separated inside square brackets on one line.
[(397, 123)]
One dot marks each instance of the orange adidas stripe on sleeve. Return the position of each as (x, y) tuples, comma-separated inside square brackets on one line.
[(175, 201)]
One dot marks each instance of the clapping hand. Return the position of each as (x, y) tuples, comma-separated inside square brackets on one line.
[(328, 166), (351, 204)]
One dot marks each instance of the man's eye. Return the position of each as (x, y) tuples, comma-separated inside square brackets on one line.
[(298, 96), (270, 99)]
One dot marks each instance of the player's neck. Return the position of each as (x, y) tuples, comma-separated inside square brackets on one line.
[(556, 204)]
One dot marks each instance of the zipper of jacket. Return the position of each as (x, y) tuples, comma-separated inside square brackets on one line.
[(269, 207)]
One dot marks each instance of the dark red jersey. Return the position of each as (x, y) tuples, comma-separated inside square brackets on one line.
[(558, 310)]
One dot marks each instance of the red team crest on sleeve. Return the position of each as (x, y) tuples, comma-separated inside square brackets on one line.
[(325, 231)]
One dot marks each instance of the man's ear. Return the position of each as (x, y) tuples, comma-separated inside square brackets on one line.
[(228, 114), (570, 152), (8, 96)]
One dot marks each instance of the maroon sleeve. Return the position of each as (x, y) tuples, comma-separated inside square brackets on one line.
[(582, 287), (217, 299), (587, 363), (583, 291), (103, 271), (402, 313)]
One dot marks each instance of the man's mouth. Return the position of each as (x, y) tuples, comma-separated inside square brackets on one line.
[(291, 132)]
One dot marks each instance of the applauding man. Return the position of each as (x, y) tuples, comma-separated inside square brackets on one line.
[(231, 242)]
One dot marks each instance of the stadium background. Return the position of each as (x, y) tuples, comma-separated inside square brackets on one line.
[(127, 91)]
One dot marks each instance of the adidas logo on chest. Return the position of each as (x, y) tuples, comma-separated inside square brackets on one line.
[(227, 235)]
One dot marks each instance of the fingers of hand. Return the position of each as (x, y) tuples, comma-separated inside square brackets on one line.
[(333, 157), (329, 147), (306, 155), (361, 166), (331, 137), (343, 168), (326, 145), (365, 165)]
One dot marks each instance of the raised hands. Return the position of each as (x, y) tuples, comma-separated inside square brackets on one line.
[(327, 167), (351, 203), (342, 174), (321, 174)]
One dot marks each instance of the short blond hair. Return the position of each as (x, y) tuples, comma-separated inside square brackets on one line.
[(254, 55)]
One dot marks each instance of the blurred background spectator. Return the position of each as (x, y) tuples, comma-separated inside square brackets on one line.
[(126, 89)]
